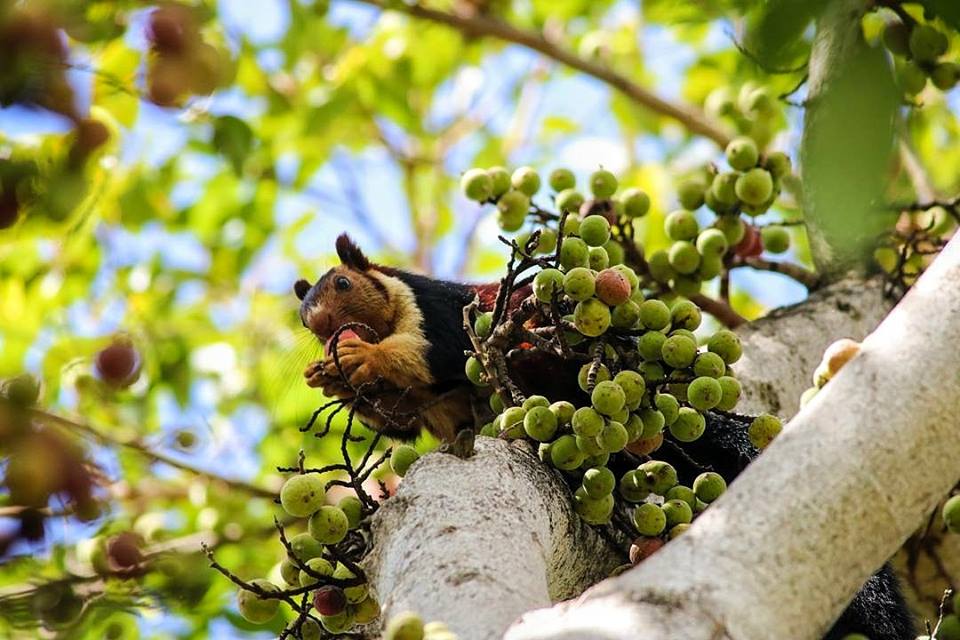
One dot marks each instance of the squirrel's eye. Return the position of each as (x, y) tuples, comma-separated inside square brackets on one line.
[(342, 283)]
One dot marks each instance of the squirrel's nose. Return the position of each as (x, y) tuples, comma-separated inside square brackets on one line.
[(318, 321)]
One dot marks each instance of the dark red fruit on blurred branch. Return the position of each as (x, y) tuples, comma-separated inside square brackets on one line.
[(124, 551), (118, 364)]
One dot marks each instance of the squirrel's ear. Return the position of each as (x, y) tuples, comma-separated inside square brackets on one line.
[(350, 254), (301, 288)]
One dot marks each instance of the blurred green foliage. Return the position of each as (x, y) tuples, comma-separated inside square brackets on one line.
[(182, 251)]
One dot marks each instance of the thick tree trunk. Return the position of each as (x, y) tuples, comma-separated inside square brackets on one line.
[(476, 543)]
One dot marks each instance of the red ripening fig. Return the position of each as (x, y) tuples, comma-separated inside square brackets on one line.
[(612, 287), (329, 600), (123, 550), (118, 364), (643, 547), (751, 246)]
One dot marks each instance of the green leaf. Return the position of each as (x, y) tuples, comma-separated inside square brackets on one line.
[(846, 150), (775, 36)]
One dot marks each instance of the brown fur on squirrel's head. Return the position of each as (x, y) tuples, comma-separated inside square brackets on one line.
[(349, 292)]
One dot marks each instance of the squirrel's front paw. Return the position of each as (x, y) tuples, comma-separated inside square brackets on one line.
[(358, 361), (319, 378)]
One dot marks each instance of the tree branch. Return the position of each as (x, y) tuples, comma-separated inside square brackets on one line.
[(810, 279), (141, 448), (691, 118), (719, 309)]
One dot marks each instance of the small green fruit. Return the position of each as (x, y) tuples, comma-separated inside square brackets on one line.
[(477, 185), (690, 194), (603, 184), (608, 397), (570, 200), (402, 457), (650, 344), (613, 437), (545, 284), (668, 406), (573, 253), (526, 180), (329, 525), (775, 239), (712, 242), (755, 187), (595, 230), (352, 506), (317, 565), (302, 494), (255, 609), (625, 315), (599, 482), (742, 153), (591, 317), (305, 547), (636, 202), (709, 486), (657, 476), (689, 425), (587, 422), (561, 179), (680, 492), (540, 424), (733, 229), (599, 259), (726, 344), (709, 364), (704, 393), (404, 626), (686, 315), (633, 386), (730, 390), (764, 429), (679, 351), (677, 512), (483, 325), (565, 454), (681, 225), (649, 519), (579, 284), (475, 372), (500, 181)]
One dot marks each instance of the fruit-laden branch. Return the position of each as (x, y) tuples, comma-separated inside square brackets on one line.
[(141, 448), (874, 451), (477, 542), (691, 118)]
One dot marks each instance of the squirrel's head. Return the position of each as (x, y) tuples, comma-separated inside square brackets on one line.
[(350, 292)]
